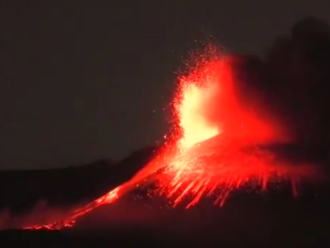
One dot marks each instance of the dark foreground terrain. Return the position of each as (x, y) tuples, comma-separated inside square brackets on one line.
[(248, 219), (245, 221)]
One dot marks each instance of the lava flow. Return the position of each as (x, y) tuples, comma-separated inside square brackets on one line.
[(216, 146)]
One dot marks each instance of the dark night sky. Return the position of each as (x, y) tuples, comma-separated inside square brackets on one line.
[(84, 80)]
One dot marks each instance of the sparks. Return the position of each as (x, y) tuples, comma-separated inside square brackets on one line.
[(216, 145), (220, 148)]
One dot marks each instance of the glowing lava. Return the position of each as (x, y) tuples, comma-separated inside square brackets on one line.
[(222, 142), (216, 146), (195, 126)]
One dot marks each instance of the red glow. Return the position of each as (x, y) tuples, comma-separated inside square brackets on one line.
[(219, 150), (216, 147)]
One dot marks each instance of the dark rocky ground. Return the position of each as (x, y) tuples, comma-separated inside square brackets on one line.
[(248, 221), (271, 219)]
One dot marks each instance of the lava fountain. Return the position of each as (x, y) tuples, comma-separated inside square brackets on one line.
[(216, 145)]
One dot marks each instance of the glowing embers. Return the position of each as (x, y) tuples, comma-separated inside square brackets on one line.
[(216, 168), (215, 130), (192, 104)]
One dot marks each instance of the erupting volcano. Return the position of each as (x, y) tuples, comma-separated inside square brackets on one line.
[(217, 144)]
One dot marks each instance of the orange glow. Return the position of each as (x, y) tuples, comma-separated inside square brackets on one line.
[(219, 150), (194, 125)]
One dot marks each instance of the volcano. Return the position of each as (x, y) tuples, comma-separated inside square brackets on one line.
[(216, 147), (236, 169)]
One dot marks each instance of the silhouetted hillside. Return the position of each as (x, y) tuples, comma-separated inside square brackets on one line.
[(24, 189)]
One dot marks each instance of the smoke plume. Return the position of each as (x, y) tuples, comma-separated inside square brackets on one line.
[(291, 81)]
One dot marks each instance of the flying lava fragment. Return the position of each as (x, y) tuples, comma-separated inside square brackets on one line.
[(216, 146)]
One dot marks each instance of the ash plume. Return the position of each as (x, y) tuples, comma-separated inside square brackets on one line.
[(292, 81)]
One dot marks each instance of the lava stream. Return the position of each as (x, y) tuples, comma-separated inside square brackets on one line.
[(164, 157)]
